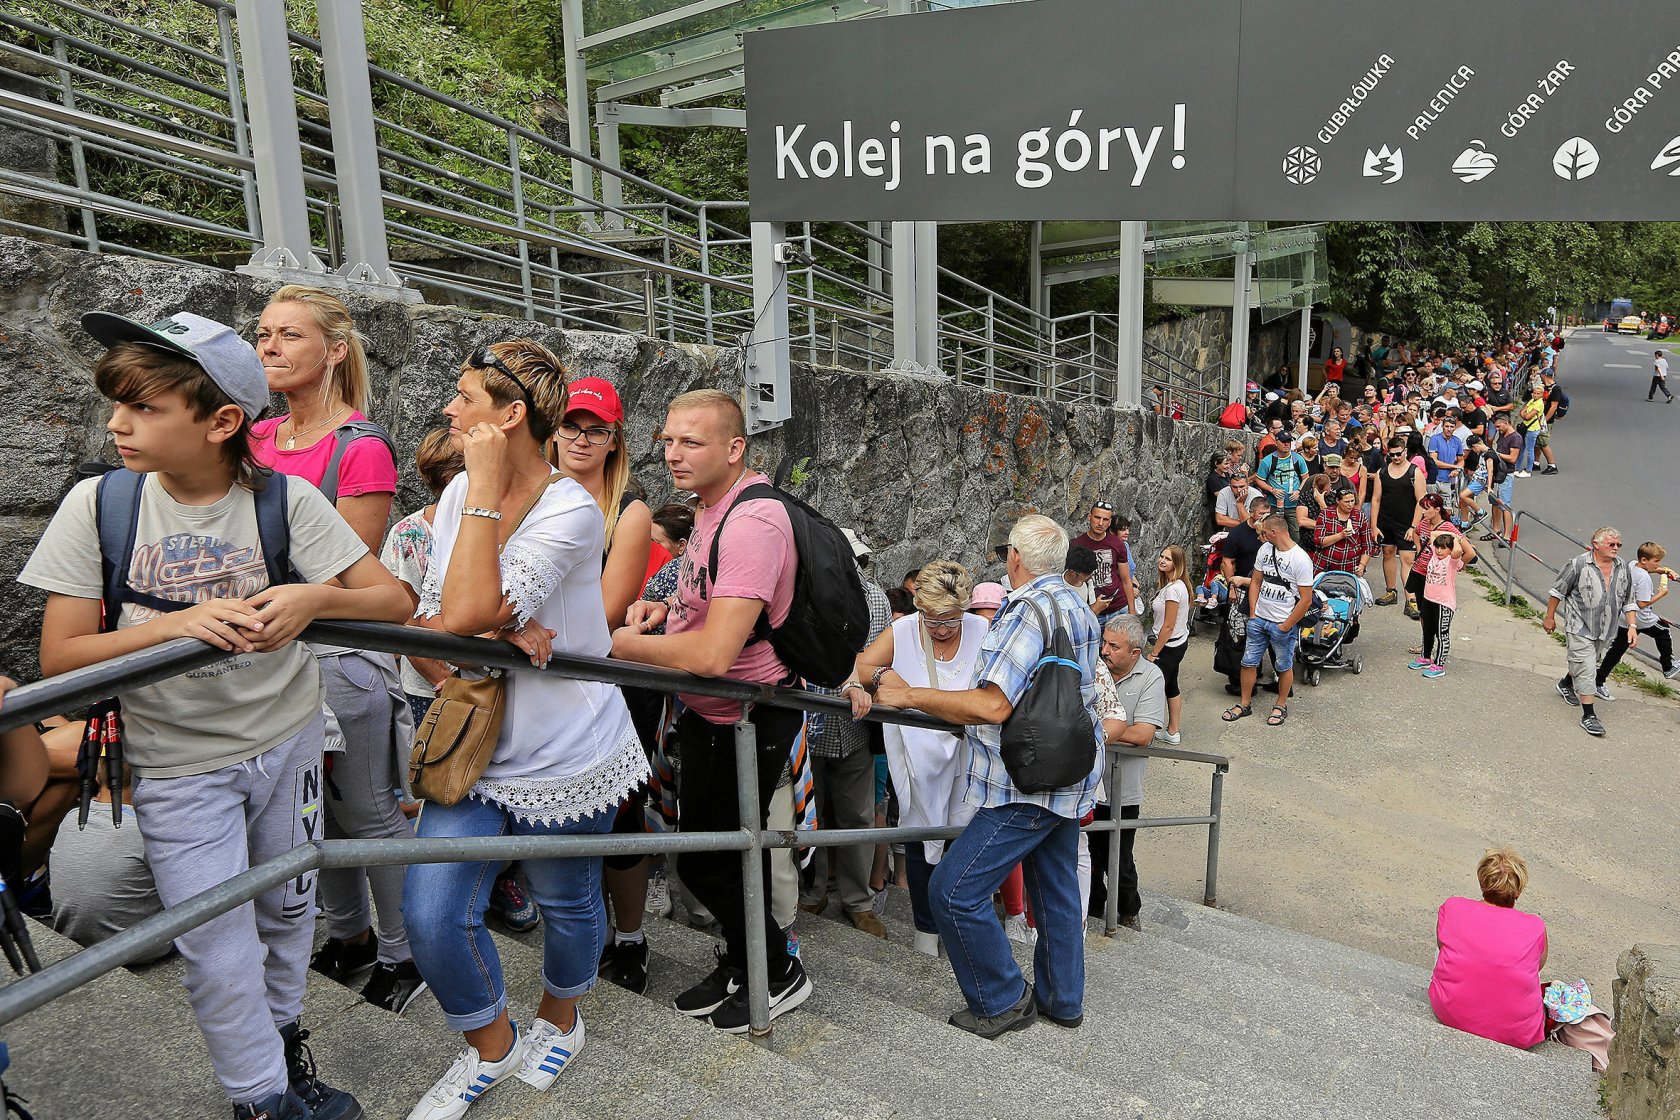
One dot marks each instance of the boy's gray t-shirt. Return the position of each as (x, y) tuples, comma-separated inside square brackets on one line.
[(233, 709)]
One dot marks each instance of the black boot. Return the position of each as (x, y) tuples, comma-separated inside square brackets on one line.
[(323, 1101)]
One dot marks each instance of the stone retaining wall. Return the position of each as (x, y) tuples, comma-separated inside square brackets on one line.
[(921, 467), (1643, 1082)]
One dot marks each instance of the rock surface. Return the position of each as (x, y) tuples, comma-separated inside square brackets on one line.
[(1644, 1078), (920, 466)]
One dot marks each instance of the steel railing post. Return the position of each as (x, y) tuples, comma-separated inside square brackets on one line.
[(706, 269), (517, 184), (236, 112), (1111, 907), (834, 340), (991, 329), (648, 311), (1216, 796), (753, 902), (78, 154)]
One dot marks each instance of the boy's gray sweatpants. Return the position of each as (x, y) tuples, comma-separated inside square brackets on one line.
[(246, 969)]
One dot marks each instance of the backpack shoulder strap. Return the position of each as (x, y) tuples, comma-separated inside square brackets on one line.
[(274, 528), (343, 436), (117, 512), (761, 627)]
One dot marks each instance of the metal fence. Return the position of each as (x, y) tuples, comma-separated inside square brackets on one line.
[(479, 209), (70, 690)]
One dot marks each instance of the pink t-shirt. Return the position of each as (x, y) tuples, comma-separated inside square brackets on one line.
[(1439, 582), (756, 560), (1487, 977), (367, 466)]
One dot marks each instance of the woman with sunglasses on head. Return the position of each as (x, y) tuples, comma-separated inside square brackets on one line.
[(934, 648), (588, 447), (312, 354), (1170, 613), (566, 755)]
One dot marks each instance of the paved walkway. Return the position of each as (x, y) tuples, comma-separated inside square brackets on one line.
[(1374, 802)]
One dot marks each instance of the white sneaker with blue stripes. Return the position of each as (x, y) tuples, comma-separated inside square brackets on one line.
[(467, 1080), (548, 1051)]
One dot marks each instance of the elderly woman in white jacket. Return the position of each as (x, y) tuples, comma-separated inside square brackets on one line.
[(936, 647)]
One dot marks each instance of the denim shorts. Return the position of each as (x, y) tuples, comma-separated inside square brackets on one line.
[(1262, 634), (1477, 488)]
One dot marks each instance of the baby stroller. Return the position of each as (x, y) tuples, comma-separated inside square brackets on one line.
[(1330, 624), (1211, 593)]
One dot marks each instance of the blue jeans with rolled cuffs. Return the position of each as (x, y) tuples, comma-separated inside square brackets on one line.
[(1047, 848), (444, 906)]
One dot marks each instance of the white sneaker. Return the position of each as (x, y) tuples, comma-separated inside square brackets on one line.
[(1522, 474), (1171, 737), (466, 1081), (1673, 673), (927, 943), (1603, 693), (1016, 928), (658, 895), (548, 1051)]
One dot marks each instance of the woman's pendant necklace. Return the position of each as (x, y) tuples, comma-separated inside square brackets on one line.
[(291, 440)]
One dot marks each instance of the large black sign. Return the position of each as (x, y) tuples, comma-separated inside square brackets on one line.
[(1222, 109)]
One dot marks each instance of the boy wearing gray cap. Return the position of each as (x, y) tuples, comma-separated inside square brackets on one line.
[(228, 756)]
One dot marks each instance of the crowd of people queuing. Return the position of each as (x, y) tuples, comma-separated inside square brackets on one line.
[(539, 536)]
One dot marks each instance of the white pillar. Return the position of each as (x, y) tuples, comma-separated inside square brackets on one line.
[(1129, 336), (768, 387), (275, 148), (927, 295), (577, 97), (1305, 348), (904, 292), (1239, 322)]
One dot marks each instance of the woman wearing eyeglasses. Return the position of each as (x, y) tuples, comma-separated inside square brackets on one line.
[(588, 447), (934, 648), (566, 755), (313, 355)]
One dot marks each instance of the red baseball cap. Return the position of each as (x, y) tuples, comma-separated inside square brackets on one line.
[(596, 396)]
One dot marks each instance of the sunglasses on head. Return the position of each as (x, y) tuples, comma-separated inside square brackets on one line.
[(483, 358)]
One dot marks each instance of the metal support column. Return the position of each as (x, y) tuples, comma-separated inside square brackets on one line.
[(927, 295), (275, 147), (1038, 296), (753, 902), (344, 58), (769, 393), (1304, 351), (877, 280), (904, 293), (612, 187), (577, 100), (1129, 332), (1239, 317)]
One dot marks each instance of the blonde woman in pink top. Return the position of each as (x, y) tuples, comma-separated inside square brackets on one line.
[(1487, 977)]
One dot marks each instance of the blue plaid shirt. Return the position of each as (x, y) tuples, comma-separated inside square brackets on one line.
[(1011, 650)]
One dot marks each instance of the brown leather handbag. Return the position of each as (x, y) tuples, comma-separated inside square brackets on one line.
[(457, 736)]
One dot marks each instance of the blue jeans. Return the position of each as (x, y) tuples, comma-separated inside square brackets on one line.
[(1262, 634), (1525, 461), (918, 872), (1047, 847), (444, 905)]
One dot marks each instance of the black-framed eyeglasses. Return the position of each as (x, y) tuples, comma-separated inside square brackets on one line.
[(595, 437), (483, 358)]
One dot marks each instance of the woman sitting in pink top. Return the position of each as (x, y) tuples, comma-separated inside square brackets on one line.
[(1487, 977)]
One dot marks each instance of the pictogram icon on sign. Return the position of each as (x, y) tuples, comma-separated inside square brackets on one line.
[(1301, 165), (1576, 159), (1475, 163), (1669, 158), (1385, 161)]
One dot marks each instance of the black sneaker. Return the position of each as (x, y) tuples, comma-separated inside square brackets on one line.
[(344, 960), (712, 992), (280, 1106), (1017, 1018), (393, 986), (734, 1016), (320, 1101), (1550, 470), (1568, 693), (1592, 727), (625, 963)]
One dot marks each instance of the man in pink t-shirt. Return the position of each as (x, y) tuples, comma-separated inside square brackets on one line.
[(712, 630)]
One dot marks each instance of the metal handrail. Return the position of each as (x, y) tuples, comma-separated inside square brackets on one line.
[(56, 694)]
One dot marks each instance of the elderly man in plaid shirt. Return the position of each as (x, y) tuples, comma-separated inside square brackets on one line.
[(1040, 831)]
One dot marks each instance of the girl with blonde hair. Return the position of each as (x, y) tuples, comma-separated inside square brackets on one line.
[(1171, 612)]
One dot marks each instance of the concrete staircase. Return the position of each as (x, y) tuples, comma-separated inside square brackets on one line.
[(1204, 1014)]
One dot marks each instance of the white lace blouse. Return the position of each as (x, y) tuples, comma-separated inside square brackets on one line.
[(567, 749)]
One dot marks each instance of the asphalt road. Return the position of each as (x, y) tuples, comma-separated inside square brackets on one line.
[(1615, 453)]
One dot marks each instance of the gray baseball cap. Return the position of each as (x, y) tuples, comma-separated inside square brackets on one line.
[(229, 360)]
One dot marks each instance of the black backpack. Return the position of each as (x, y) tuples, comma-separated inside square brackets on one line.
[(1050, 741), (117, 513), (827, 624)]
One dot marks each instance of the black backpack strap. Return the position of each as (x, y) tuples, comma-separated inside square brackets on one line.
[(761, 627), (343, 436), (274, 528), (117, 513)]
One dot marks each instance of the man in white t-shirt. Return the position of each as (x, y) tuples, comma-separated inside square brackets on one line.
[(1279, 594), (1659, 378)]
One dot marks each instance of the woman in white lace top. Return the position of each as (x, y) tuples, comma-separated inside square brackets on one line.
[(567, 753)]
